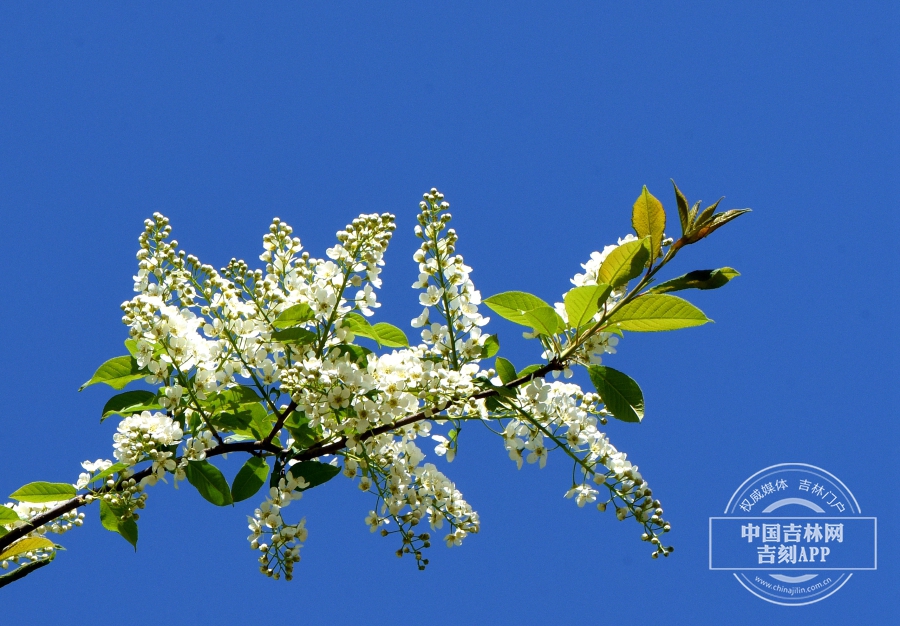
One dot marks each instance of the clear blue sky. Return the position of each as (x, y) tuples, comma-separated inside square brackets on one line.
[(540, 122)]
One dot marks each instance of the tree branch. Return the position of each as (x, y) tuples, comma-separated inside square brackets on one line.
[(22, 571), (78, 501), (321, 450), (280, 422), (266, 445)]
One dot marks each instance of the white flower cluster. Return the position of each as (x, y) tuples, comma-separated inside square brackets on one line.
[(236, 307), (444, 277), (28, 510), (383, 390), (409, 492), (144, 436), (31, 556), (279, 542), (90, 468), (361, 251), (288, 332), (564, 413)]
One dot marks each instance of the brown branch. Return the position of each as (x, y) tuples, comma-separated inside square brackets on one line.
[(280, 422), (266, 445), (316, 451), (78, 501)]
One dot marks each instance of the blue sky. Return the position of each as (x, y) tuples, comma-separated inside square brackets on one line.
[(540, 122)]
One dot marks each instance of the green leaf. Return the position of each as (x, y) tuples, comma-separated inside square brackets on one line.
[(294, 316), (250, 478), (358, 325), (692, 214), (582, 303), (129, 530), (707, 213), (233, 400), (129, 403), (649, 220), (44, 492), (109, 471), (491, 347), (494, 403), (529, 370), (383, 333), (299, 428), (624, 263), (390, 336), (108, 517), (513, 305), (7, 515), (25, 545), (116, 373), (111, 520), (543, 320), (505, 370), (314, 473), (621, 395), (699, 279), (239, 420), (294, 336), (358, 354), (720, 219), (651, 313), (715, 222), (683, 210), (262, 422), (209, 481)]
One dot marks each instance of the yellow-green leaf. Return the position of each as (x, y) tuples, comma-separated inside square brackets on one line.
[(649, 220), (293, 316), (44, 492), (116, 373), (513, 305), (295, 336), (505, 370), (543, 320), (360, 326), (654, 312), (8, 516), (582, 303), (390, 336), (491, 347), (26, 545), (624, 263)]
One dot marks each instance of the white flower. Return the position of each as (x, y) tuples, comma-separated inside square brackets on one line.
[(419, 322), (431, 296), (538, 451), (584, 494)]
